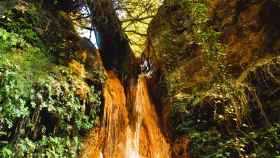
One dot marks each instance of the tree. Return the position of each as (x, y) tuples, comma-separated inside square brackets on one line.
[(114, 44), (135, 16), (121, 25)]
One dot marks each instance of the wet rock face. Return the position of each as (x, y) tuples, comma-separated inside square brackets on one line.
[(174, 54), (170, 36), (250, 33), (249, 30)]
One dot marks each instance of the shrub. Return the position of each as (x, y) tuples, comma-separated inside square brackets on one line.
[(42, 114)]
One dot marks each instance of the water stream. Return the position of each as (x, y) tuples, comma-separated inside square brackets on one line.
[(130, 127)]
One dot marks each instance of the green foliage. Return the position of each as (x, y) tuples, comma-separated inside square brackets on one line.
[(248, 143), (23, 23), (13, 98), (218, 124), (135, 16), (41, 112), (32, 60), (215, 117), (10, 40), (203, 33), (50, 107), (58, 96), (52, 147), (187, 43)]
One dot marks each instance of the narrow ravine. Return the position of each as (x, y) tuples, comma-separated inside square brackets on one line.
[(130, 126)]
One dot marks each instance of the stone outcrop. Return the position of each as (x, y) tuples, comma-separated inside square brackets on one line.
[(250, 34)]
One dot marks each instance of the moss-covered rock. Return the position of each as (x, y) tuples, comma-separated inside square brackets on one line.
[(50, 83), (210, 57)]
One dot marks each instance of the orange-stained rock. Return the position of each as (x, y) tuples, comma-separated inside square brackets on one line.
[(181, 147), (136, 134), (249, 33), (92, 144), (77, 68)]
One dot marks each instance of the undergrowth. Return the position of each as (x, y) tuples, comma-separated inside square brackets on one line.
[(45, 109), (221, 123), (220, 118)]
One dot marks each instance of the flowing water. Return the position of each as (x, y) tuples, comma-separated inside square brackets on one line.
[(130, 126)]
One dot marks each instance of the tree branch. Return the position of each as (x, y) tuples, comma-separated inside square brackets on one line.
[(135, 32)]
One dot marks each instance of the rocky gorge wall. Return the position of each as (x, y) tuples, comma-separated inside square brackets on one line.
[(51, 81), (222, 86), (215, 84)]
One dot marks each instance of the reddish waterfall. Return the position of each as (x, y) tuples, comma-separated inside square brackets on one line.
[(130, 126)]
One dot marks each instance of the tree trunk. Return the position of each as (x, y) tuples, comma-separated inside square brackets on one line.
[(114, 44)]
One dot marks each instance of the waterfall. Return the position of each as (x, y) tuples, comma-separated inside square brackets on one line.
[(130, 127)]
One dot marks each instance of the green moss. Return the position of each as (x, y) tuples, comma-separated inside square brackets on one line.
[(14, 49), (38, 106), (222, 123), (41, 111), (242, 143), (55, 147), (23, 22)]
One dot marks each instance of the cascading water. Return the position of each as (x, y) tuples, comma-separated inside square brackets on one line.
[(130, 127)]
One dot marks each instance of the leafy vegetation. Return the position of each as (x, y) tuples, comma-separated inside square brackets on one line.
[(220, 125), (220, 117), (135, 17), (255, 143), (44, 108)]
